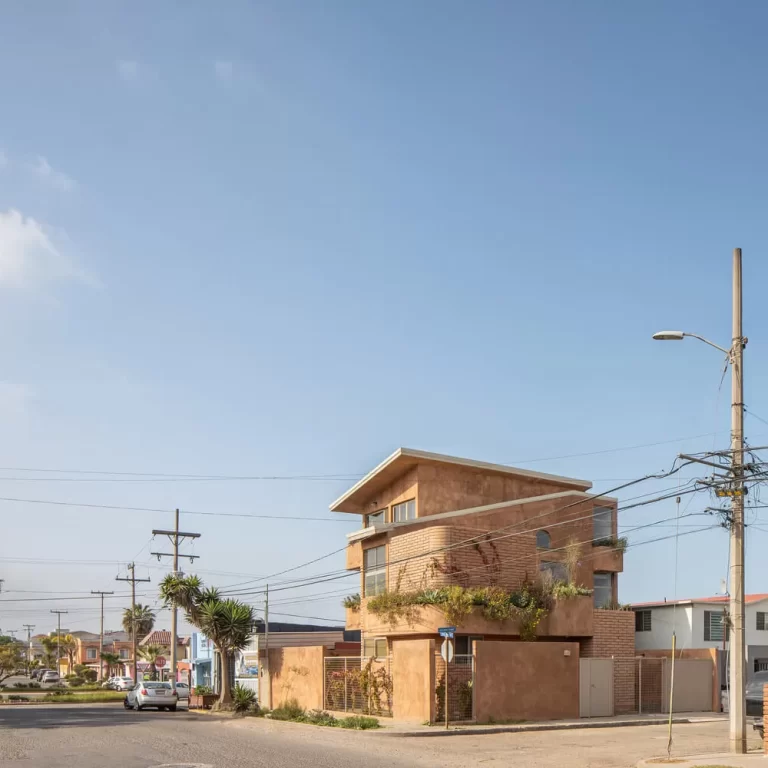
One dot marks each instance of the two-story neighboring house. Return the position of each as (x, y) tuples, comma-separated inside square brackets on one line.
[(431, 521), (88, 644), (701, 623)]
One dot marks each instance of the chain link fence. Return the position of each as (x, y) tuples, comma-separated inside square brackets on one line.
[(358, 684), (461, 675)]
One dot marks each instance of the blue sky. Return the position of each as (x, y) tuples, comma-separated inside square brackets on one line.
[(286, 238)]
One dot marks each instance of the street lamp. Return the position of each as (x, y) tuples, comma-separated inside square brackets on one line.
[(735, 355)]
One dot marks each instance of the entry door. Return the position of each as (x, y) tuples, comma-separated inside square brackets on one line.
[(596, 687)]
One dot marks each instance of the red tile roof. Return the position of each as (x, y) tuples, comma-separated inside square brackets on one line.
[(722, 599), (158, 637)]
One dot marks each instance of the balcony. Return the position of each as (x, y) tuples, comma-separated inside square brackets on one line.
[(572, 617), (607, 559)]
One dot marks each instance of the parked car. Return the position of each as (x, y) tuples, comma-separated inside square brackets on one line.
[(182, 689), (151, 694), (37, 673), (49, 676), (123, 683), (755, 693), (108, 683)]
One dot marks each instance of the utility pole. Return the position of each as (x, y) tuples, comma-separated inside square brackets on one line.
[(737, 697), (58, 641), (29, 628), (132, 578), (175, 536), (101, 632), (267, 678)]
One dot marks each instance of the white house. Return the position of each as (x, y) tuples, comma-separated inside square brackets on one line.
[(700, 623)]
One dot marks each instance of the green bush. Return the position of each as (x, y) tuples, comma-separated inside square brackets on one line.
[(319, 717), (243, 699), (358, 723), (288, 710), (352, 602), (14, 697), (74, 682), (203, 690)]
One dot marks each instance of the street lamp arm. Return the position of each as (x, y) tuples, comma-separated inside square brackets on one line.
[(707, 341)]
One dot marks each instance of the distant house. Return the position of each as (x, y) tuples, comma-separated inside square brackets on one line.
[(701, 623)]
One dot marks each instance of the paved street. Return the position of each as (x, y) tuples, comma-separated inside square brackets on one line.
[(96, 736)]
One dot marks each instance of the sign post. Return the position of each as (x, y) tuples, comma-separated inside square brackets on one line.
[(446, 651)]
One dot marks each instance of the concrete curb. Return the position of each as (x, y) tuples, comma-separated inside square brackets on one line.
[(476, 731)]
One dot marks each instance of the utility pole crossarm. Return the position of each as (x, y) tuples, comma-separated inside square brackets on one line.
[(179, 534), (158, 555)]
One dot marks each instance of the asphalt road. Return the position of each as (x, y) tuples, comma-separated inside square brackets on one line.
[(98, 736)]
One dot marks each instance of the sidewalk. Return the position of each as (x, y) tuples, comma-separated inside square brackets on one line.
[(724, 760), (404, 728)]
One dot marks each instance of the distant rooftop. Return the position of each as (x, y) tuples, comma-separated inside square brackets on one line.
[(405, 458), (716, 599)]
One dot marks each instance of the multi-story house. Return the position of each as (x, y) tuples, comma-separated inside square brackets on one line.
[(700, 624), (88, 644), (431, 521)]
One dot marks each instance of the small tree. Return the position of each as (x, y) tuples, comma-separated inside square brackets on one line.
[(11, 660), (142, 618), (69, 647), (227, 623), (112, 660), (150, 653)]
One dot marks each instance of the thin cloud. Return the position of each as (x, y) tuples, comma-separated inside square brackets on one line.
[(28, 256), (127, 69), (57, 179), (223, 70)]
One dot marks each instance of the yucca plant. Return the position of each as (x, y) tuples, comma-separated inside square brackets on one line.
[(243, 699)]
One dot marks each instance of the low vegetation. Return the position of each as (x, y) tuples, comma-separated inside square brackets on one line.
[(620, 543), (292, 711), (352, 602), (243, 699), (96, 697)]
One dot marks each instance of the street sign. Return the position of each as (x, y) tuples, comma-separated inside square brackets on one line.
[(160, 662), (446, 650), (447, 631)]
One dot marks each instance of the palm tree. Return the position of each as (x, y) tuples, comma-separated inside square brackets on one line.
[(142, 618), (69, 646), (228, 623), (112, 660), (150, 653)]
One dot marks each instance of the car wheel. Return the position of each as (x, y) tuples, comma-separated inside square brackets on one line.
[(125, 703), (138, 707), (173, 708)]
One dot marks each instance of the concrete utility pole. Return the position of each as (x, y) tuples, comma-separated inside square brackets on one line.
[(101, 632), (132, 578), (175, 536), (58, 641), (267, 680), (735, 490), (29, 628), (737, 699)]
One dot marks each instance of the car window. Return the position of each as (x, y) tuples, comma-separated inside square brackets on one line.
[(157, 685)]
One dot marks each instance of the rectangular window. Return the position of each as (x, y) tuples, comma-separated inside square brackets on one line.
[(602, 523), (123, 653), (463, 644), (713, 626), (90, 654), (374, 567), (603, 589), (558, 571), (377, 518), (642, 621), (404, 511), (761, 622), (375, 646)]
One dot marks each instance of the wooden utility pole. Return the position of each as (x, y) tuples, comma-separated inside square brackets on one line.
[(175, 537), (58, 641), (133, 580), (29, 628), (267, 678), (101, 632)]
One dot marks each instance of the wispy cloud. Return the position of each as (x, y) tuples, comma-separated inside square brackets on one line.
[(28, 255), (57, 179), (14, 399), (127, 69), (223, 69)]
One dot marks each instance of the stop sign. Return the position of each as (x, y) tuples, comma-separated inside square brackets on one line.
[(160, 662)]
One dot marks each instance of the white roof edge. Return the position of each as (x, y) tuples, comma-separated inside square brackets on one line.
[(428, 456)]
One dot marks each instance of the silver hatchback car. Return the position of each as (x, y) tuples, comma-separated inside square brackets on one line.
[(151, 694)]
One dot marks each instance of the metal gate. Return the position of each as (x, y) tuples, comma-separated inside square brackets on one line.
[(358, 684), (596, 687), (461, 681)]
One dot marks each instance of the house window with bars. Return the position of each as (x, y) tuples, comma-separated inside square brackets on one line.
[(642, 621), (762, 624), (714, 622)]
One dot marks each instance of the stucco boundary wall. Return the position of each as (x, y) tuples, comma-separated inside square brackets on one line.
[(705, 654), (525, 680), (413, 680), (297, 673)]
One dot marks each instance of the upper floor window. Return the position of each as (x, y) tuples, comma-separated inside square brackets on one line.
[(377, 518), (558, 570), (602, 523), (375, 570), (90, 653), (543, 540), (714, 621), (761, 620), (404, 511), (375, 646), (642, 621), (603, 589), (123, 653)]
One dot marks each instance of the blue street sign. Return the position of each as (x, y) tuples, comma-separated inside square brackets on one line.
[(447, 631)]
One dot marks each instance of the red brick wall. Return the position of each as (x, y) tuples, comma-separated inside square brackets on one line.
[(614, 636)]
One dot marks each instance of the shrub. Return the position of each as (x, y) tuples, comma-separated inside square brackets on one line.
[(358, 722), (561, 591), (90, 675), (620, 543), (288, 710), (203, 690), (74, 682), (14, 697), (352, 602), (319, 717), (243, 699)]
